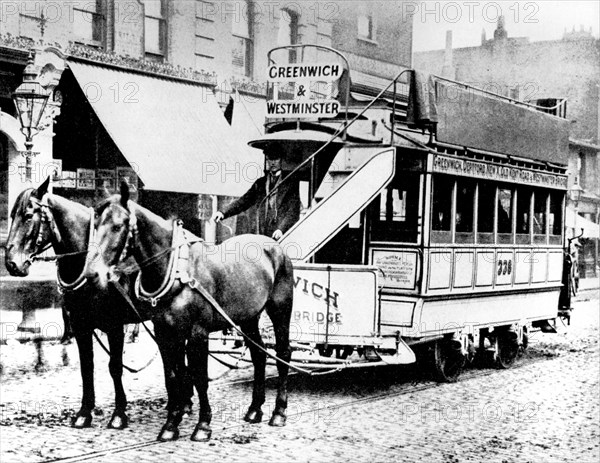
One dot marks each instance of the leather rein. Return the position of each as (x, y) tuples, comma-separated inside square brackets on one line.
[(184, 277), (48, 218)]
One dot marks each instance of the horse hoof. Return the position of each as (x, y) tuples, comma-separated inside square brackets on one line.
[(82, 421), (118, 421), (277, 420), (168, 436), (202, 433), (253, 416)]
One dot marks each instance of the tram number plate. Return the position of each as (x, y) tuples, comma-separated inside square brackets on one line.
[(505, 267)]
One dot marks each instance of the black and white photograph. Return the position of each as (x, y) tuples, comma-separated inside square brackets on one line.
[(299, 231)]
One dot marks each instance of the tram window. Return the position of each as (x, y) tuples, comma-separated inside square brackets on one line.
[(540, 207), (505, 213), (394, 215), (555, 217), (485, 213), (523, 214), (441, 211), (465, 203), (392, 205)]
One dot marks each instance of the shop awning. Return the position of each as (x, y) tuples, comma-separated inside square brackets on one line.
[(589, 228), (248, 116), (172, 132)]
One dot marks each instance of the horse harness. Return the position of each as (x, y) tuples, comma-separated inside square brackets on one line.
[(178, 262), (177, 266), (48, 218)]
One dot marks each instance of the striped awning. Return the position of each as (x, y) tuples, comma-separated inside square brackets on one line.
[(172, 132)]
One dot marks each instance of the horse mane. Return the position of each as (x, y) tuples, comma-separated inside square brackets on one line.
[(117, 199), (21, 202)]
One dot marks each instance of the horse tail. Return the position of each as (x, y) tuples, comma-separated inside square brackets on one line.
[(282, 295)]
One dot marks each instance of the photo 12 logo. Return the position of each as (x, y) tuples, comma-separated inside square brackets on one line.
[(471, 12)]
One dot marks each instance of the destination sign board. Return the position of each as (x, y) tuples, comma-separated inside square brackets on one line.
[(283, 109), (304, 72), (483, 170)]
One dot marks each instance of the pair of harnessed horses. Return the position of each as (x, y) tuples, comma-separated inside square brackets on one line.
[(183, 284)]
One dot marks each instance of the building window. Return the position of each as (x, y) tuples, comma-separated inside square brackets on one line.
[(241, 28), (32, 24), (288, 31), (87, 22), (155, 28), (366, 27)]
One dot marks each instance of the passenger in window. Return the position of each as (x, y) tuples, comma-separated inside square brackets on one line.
[(503, 220), (538, 224)]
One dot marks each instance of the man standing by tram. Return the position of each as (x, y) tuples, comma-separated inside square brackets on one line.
[(280, 210)]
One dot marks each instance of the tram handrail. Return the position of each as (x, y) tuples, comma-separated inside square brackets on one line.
[(512, 100), (333, 137)]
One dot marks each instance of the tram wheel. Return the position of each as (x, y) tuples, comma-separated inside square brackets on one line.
[(344, 352), (507, 349), (448, 360), (325, 351)]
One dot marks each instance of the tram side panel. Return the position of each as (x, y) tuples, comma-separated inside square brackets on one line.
[(467, 288), (334, 305)]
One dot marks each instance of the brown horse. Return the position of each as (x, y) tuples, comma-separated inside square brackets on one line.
[(40, 219), (244, 275)]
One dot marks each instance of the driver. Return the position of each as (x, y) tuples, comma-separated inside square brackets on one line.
[(280, 211)]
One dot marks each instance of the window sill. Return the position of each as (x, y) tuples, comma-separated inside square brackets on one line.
[(155, 57), (367, 40), (89, 43)]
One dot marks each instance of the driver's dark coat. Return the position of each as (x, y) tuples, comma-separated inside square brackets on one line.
[(285, 213)]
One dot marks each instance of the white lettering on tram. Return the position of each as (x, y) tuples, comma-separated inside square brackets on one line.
[(450, 165)]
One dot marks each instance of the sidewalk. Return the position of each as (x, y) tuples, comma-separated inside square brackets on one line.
[(588, 284)]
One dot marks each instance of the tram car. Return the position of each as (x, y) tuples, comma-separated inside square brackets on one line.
[(434, 220)]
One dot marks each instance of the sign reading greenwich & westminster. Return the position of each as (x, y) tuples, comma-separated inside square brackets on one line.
[(304, 103)]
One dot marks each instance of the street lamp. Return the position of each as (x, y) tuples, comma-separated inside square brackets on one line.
[(30, 100), (575, 195)]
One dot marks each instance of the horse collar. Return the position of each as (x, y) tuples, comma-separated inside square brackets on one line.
[(80, 280), (179, 254)]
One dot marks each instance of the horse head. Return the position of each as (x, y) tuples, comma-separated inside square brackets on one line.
[(115, 227), (29, 231)]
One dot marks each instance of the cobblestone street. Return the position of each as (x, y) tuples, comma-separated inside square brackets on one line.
[(545, 409)]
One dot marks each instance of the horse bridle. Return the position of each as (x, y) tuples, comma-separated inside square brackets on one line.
[(132, 234), (46, 220)]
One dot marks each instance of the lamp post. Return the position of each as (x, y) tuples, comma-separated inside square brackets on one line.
[(30, 100), (575, 195)]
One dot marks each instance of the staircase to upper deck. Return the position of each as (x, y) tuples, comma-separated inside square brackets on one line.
[(322, 222)]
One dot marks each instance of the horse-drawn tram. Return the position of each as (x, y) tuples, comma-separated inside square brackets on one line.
[(433, 226), (434, 220)]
